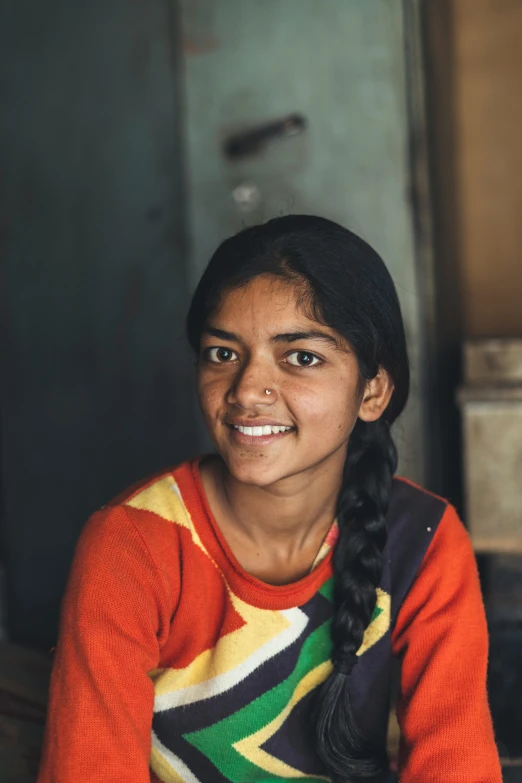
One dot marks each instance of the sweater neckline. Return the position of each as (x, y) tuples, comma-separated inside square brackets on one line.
[(244, 582)]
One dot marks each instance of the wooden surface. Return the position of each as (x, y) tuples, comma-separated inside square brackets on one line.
[(496, 545), (493, 474), (493, 361)]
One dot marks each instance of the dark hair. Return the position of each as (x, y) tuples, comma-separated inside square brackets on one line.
[(345, 285)]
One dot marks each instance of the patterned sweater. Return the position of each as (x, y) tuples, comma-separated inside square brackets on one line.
[(175, 664)]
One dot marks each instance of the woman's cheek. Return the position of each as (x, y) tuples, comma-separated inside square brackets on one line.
[(329, 406), (210, 393), (313, 402)]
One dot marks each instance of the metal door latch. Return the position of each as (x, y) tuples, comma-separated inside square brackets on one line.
[(252, 141)]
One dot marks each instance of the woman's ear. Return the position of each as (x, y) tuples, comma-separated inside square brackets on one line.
[(376, 396)]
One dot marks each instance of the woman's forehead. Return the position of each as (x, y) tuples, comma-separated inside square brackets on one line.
[(267, 297), (271, 308)]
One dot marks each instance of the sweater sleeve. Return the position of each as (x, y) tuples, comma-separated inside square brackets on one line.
[(441, 638), (114, 615)]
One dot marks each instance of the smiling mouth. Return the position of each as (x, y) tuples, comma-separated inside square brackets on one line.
[(264, 431)]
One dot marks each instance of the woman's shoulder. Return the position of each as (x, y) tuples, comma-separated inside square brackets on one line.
[(413, 505), (131, 551), (417, 509), (159, 483), (417, 521), (426, 516), (150, 511)]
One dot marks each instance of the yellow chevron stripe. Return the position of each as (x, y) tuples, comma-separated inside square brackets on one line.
[(162, 769), (164, 498), (168, 767), (250, 747), (380, 625), (261, 625)]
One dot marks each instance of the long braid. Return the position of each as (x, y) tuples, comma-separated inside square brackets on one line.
[(370, 464)]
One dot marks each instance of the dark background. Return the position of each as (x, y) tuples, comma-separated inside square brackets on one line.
[(96, 377)]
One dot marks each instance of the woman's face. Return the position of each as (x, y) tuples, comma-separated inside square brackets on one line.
[(260, 339)]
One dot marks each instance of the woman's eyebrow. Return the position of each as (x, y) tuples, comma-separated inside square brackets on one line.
[(293, 337), (285, 337), (213, 331)]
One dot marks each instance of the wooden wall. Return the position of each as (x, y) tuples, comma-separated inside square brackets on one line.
[(487, 106)]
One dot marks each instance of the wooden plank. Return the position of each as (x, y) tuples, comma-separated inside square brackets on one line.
[(497, 545)]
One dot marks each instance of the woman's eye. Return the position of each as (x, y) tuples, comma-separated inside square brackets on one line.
[(221, 355), (303, 359)]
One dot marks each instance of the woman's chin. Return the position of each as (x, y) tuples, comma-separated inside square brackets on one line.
[(257, 470)]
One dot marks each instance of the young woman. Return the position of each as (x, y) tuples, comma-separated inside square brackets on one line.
[(235, 618)]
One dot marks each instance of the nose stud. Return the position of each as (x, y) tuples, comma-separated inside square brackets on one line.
[(267, 391)]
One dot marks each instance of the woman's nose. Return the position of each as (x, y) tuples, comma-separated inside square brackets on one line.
[(252, 387)]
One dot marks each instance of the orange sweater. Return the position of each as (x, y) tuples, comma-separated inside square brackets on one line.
[(162, 629)]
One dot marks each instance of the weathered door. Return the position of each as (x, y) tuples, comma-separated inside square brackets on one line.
[(95, 378)]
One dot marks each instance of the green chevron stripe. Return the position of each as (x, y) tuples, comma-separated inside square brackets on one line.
[(326, 590), (216, 741)]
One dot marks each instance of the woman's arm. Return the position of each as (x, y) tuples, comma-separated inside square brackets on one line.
[(115, 612), (441, 637)]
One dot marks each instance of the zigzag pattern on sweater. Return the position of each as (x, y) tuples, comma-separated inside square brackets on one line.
[(239, 711)]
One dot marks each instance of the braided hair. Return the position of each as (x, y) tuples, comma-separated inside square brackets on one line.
[(344, 284)]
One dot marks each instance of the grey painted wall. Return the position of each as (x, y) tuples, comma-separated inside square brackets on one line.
[(95, 376), (342, 65)]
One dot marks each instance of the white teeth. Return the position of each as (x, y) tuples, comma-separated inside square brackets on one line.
[(255, 432)]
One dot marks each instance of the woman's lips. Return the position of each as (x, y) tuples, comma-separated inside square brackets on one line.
[(257, 435)]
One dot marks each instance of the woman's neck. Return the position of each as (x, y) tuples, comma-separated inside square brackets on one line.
[(289, 518)]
